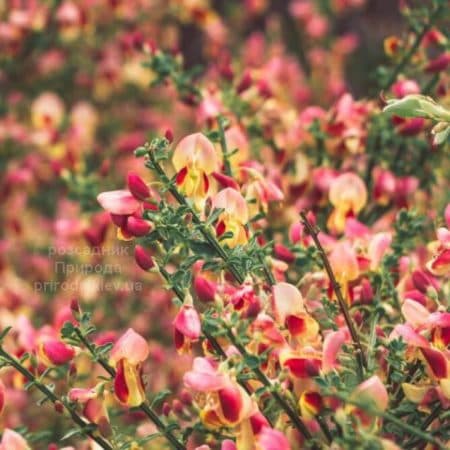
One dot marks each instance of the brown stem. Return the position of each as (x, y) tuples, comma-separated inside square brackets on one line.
[(314, 233)]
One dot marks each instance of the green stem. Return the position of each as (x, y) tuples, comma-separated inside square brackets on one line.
[(220, 251), (206, 233), (147, 410), (418, 432), (410, 53), (293, 416), (179, 293), (324, 427), (427, 422), (223, 144), (84, 426), (372, 341), (313, 232)]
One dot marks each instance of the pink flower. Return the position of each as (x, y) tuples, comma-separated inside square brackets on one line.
[(187, 328), (127, 355), (204, 376), (137, 186), (143, 258), (47, 111), (234, 217), (204, 288), (13, 441), (373, 391), (195, 159), (348, 195), (289, 311), (119, 202), (130, 346), (54, 352), (270, 439), (332, 344)]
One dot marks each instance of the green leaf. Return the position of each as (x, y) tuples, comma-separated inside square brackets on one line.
[(4, 333), (252, 361), (158, 399)]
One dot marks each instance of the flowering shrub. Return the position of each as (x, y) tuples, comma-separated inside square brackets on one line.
[(235, 255)]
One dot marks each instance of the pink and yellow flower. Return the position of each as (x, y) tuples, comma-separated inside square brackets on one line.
[(13, 441), (348, 195), (234, 217), (195, 159), (289, 308), (187, 328), (127, 355)]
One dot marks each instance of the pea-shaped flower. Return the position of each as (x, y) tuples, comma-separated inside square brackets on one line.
[(195, 159), (348, 195), (127, 356), (233, 218)]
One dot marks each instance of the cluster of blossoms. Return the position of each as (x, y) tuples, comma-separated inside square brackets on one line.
[(243, 256)]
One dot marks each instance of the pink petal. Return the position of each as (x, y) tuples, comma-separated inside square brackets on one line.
[(414, 313), (332, 344), (373, 390), (119, 202), (204, 377), (187, 322), (287, 301), (131, 346)]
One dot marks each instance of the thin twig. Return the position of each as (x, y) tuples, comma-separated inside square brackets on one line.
[(85, 426), (427, 422), (410, 53), (418, 432), (146, 409), (223, 144), (314, 233), (221, 252)]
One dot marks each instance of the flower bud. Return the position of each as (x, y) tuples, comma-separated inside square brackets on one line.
[(283, 253), (366, 292), (245, 83), (137, 186), (422, 281), (177, 406), (225, 181), (205, 289), (186, 397), (166, 408), (75, 306), (59, 407), (143, 258), (438, 64), (137, 227), (55, 353), (169, 135)]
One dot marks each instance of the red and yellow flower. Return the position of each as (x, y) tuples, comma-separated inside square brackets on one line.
[(233, 218), (127, 356), (195, 159)]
